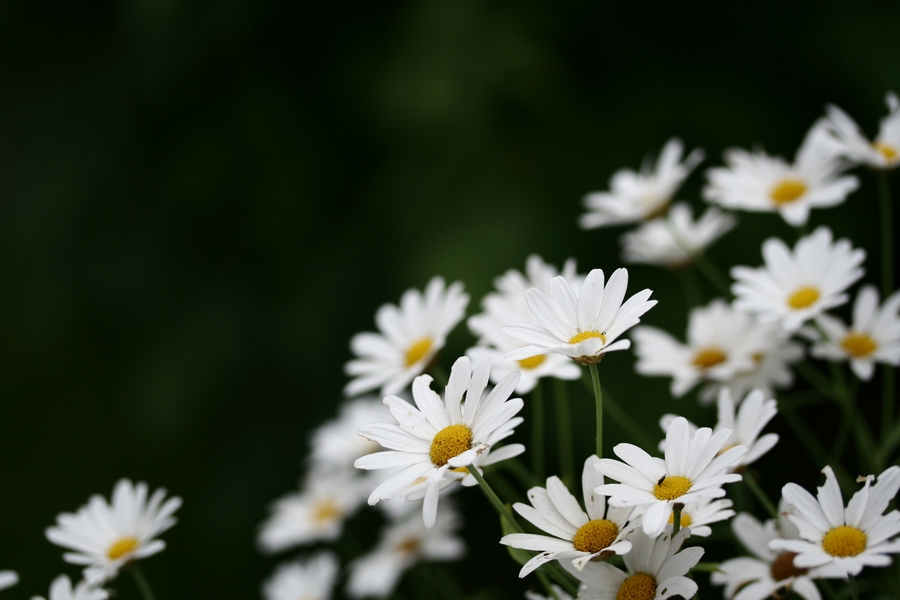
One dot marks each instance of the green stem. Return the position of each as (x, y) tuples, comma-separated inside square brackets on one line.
[(564, 432), (501, 508), (712, 273), (548, 587), (887, 234), (598, 401), (142, 582), (854, 593), (689, 288), (676, 517), (706, 567), (537, 433), (622, 419), (760, 495)]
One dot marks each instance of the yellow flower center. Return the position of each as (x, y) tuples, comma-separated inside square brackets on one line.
[(640, 586), (803, 297), (858, 345), (783, 567), (786, 191), (844, 540), (709, 357), (419, 349), (672, 487), (122, 547), (658, 210), (449, 442), (595, 535), (409, 546), (887, 151), (685, 519), (586, 335), (532, 362), (326, 510)]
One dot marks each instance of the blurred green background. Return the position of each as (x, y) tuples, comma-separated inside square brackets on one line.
[(201, 202)]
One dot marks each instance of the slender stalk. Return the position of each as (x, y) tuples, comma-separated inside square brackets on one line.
[(142, 582), (712, 273), (622, 419), (548, 587), (887, 234), (689, 288), (760, 495), (564, 431), (498, 505), (598, 401), (854, 593), (676, 517), (537, 432)]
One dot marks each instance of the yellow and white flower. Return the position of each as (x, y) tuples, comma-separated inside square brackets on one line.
[(61, 589), (582, 326), (104, 536), (637, 196), (409, 337), (675, 239), (312, 578), (881, 153), (794, 287)]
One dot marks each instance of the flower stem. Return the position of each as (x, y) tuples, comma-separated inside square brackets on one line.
[(598, 400), (537, 433), (760, 495), (887, 235), (142, 582), (564, 431), (676, 517), (501, 508), (622, 420), (854, 593)]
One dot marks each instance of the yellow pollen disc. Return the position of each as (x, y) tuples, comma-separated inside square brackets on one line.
[(449, 442), (887, 151), (709, 357), (595, 535), (326, 510), (844, 540), (419, 349), (672, 487), (586, 335), (783, 567), (640, 586), (532, 362), (410, 545), (858, 345), (786, 191), (122, 547), (658, 211), (803, 297), (685, 519)]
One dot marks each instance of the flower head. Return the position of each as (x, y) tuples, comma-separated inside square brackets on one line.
[(335, 444), (675, 239), (61, 589), (881, 153), (105, 536), (312, 578)]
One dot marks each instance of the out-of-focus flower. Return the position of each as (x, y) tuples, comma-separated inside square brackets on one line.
[(312, 578), (884, 151), (8, 579), (674, 240), (336, 443), (61, 589)]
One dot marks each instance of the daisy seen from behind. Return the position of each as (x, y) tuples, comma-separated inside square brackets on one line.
[(576, 536), (843, 540), (311, 578), (436, 435), (409, 337), (105, 536), (695, 467), (635, 196), (881, 153), (61, 589), (582, 327), (795, 286)]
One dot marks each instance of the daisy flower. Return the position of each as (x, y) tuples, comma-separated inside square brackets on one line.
[(796, 286), (575, 536), (312, 578), (873, 337), (755, 181), (335, 444), (637, 196), (695, 467), (409, 337), (8, 579), (106, 536), (61, 589), (403, 544), (655, 570), (675, 239), (845, 539), (436, 436), (584, 326), (882, 153), (507, 305)]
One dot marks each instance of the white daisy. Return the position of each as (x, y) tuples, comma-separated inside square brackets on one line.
[(768, 571), (61, 589), (846, 539), (584, 326), (873, 337), (410, 336), (754, 413), (336, 443), (655, 570), (695, 467), (675, 239), (637, 196), (8, 579), (755, 181), (507, 305), (434, 437), (316, 513), (402, 545), (106, 536), (576, 536), (312, 578), (884, 151), (796, 286)]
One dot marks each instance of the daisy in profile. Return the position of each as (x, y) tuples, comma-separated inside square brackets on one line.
[(8, 579), (882, 153), (508, 304), (575, 536), (61, 589), (582, 327), (106, 536), (675, 239), (436, 436), (873, 337), (637, 196), (755, 181), (843, 540), (655, 570), (696, 466), (794, 287), (409, 337), (312, 578)]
